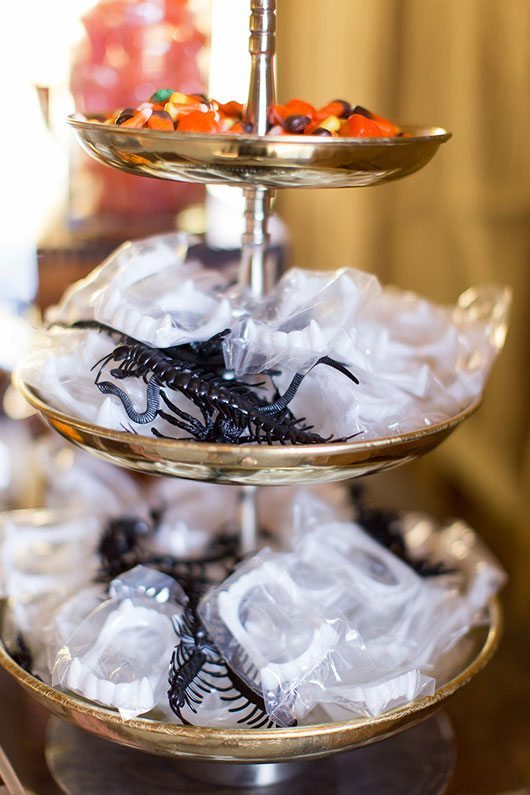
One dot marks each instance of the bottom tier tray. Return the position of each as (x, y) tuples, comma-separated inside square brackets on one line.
[(271, 745), (259, 465), (419, 761)]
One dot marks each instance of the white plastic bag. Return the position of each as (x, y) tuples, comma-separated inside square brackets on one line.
[(119, 656)]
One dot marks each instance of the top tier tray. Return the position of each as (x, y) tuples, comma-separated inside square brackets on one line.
[(271, 162)]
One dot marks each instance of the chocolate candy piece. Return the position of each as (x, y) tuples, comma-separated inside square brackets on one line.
[(162, 95), (358, 109), (321, 131), (296, 123), (126, 114)]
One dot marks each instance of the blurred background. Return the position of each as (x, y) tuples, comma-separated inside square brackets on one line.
[(464, 220)]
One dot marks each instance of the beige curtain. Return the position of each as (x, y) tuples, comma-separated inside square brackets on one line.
[(464, 220)]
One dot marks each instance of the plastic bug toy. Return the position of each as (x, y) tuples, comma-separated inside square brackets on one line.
[(232, 412), (385, 526), (120, 545), (197, 669)]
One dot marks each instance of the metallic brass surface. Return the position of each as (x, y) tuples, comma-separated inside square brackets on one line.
[(254, 269), (262, 48), (273, 162), (258, 465), (419, 760), (271, 745)]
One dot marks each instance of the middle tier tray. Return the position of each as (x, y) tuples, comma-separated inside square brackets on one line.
[(258, 465), (272, 162)]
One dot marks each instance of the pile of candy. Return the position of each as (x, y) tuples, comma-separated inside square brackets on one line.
[(194, 113)]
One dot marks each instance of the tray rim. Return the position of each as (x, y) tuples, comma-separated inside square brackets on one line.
[(436, 134), (247, 739), (238, 452)]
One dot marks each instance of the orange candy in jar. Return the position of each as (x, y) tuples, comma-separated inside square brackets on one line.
[(129, 48)]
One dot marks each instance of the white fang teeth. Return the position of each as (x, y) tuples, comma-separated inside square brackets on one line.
[(106, 691), (74, 674), (91, 686), (96, 674), (123, 695), (146, 695)]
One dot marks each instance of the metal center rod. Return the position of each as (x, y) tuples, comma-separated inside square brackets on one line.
[(261, 95), (262, 48), (255, 244), (254, 273), (249, 520)]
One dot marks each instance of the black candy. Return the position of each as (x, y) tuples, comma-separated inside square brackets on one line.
[(296, 123), (128, 113), (363, 112)]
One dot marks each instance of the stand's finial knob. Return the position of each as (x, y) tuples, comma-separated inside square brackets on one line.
[(262, 48)]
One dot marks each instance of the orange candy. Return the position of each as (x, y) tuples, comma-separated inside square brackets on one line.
[(160, 120), (196, 113), (358, 126), (199, 122), (176, 111), (295, 107), (232, 109), (336, 108), (139, 119), (388, 129), (240, 128), (237, 129)]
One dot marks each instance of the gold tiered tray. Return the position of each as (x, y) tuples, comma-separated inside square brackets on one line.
[(270, 162), (259, 164), (263, 745), (257, 465)]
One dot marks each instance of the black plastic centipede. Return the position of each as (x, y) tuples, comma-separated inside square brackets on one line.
[(232, 411), (385, 526), (197, 667), (124, 544)]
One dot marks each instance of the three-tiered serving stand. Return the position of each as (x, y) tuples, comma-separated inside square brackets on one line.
[(260, 164)]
